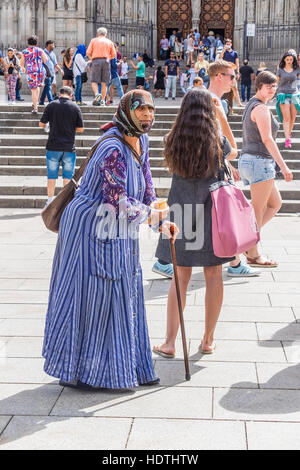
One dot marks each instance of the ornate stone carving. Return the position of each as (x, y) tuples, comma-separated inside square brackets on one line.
[(60, 4), (72, 4), (128, 8), (294, 9), (196, 8), (100, 7), (115, 10), (279, 10), (141, 10)]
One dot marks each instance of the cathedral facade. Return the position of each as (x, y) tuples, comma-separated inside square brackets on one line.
[(70, 22)]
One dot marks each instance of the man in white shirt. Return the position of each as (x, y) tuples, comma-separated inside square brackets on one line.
[(124, 74)]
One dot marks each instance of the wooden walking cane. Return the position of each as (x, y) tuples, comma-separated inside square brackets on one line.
[(185, 353)]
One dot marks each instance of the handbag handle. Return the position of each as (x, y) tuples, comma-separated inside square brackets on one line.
[(79, 172)]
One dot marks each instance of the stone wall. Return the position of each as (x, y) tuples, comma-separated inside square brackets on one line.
[(70, 22)]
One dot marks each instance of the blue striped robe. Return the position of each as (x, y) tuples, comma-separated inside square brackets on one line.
[(96, 329)]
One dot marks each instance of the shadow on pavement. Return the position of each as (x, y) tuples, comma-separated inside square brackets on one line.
[(274, 400)]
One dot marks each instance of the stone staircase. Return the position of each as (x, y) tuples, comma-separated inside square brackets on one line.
[(23, 163)]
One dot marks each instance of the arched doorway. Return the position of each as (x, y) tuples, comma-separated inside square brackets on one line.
[(217, 16), (173, 14)]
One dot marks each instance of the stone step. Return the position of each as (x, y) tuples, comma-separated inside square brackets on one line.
[(7, 140), (32, 125), (95, 132), (12, 152), (27, 108), (41, 160), (36, 185), (38, 202), (159, 129), (28, 170)]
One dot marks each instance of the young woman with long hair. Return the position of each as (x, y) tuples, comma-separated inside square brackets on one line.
[(68, 67), (287, 97), (194, 153), (260, 153)]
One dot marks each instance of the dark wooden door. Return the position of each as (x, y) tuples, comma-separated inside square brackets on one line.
[(175, 14), (217, 15)]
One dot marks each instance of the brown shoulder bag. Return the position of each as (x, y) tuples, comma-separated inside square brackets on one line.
[(51, 215)]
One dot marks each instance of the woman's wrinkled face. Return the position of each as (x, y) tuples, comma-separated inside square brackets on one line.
[(145, 114)]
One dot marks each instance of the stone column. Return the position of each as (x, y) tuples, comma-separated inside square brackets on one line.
[(239, 18), (196, 8)]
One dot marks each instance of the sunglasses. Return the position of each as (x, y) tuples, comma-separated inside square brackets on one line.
[(232, 77)]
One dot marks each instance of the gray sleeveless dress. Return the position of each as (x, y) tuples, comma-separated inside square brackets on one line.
[(190, 208)]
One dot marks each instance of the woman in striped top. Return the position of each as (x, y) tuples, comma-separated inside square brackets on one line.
[(96, 331)]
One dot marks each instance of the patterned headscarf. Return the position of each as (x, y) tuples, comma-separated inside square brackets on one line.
[(125, 118)]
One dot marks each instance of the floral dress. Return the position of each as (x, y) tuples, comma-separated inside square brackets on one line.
[(96, 329), (36, 73)]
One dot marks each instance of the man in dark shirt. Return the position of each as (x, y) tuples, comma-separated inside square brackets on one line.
[(172, 75), (247, 75), (65, 119)]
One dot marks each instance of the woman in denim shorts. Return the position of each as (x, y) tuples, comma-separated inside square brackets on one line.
[(260, 154)]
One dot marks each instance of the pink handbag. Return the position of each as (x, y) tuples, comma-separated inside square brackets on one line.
[(234, 226)]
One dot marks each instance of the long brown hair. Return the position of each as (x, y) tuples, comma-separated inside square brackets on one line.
[(192, 149), (67, 55)]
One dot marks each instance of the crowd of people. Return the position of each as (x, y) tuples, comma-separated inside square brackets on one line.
[(96, 331)]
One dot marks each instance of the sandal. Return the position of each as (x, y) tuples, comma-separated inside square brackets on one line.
[(208, 351), (158, 351), (268, 263)]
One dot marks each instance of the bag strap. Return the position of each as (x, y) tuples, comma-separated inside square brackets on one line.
[(79, 172)]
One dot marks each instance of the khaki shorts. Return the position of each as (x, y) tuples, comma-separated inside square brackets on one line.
[(100, 72)]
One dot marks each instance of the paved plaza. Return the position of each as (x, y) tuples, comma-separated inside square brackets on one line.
[(244, 396)]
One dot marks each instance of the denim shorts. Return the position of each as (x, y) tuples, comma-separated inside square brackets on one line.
[(255, 169), (54, 158)]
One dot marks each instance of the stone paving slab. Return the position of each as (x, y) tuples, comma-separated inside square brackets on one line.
[(292, 350), (21, 347), (297, 313), (22, 311), (279, 300), (23, 297), (25, 399), (237, 299), (242, 351), (19, 327), (206, 374), (224, 330), (278, 376), (273, 436), (258, 405), (182, 434), (279, 331), (228, 314), (150, 402), (258, 345), (48, 433), (23, 370)]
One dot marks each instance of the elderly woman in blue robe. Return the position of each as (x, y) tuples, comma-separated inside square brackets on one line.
[(96, 331)]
